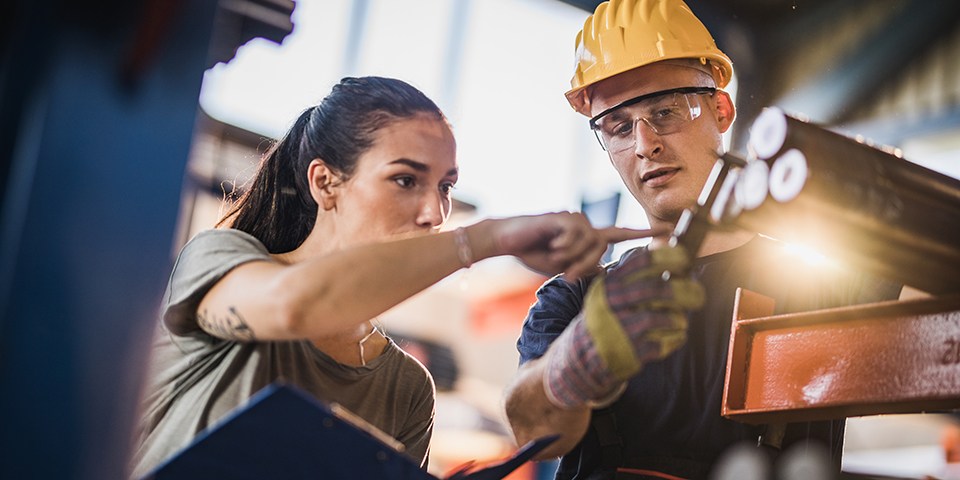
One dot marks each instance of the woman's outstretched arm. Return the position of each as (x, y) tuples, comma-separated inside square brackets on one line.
[(332, 292)]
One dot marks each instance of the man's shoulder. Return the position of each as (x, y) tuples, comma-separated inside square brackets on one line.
[(624, 257), (560, 290)]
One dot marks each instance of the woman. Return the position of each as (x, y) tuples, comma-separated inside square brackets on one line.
[(331, 233)]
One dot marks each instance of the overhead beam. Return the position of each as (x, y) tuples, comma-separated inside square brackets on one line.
[(829, 97), (586, 5)]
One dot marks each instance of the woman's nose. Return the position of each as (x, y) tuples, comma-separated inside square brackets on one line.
[(432, 212)]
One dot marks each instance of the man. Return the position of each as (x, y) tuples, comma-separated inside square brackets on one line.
[(650, 77)]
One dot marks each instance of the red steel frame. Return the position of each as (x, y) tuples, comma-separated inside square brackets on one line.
[(887, 357)]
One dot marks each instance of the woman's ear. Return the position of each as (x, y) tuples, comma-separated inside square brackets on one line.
[(324, 184), (726, 112)]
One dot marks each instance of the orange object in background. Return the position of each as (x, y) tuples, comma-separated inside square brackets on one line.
[(527, 471), (502, 315), (950, 441)]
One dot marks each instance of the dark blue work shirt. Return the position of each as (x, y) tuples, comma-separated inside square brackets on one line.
[(670, 412)]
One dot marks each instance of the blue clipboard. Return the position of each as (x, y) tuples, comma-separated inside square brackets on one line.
[(283, 432)]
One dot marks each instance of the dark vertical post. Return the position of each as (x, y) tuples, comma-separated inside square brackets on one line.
[(93, 168)]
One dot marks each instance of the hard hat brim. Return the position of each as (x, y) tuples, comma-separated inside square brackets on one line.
[(722, 72)]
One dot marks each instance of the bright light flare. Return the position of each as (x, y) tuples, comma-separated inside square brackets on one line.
[(805, 253)]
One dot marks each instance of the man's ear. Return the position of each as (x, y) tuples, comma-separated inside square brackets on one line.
[(324, 184), (726, 112)]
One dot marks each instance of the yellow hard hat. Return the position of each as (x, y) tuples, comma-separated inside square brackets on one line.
[(625, 34)]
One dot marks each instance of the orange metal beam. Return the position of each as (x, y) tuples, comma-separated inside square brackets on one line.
[(887, 357)]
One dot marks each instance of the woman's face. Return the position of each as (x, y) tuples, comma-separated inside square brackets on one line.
[(401, 185)]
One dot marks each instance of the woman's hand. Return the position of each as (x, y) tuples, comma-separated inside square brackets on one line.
[(559, 242)]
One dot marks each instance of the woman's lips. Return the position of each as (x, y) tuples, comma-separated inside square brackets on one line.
[(659, 177)]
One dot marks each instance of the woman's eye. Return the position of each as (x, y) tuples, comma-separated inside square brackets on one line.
[(404, 182), (446, 188)]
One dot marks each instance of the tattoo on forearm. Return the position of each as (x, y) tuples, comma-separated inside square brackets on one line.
[(230, 327)]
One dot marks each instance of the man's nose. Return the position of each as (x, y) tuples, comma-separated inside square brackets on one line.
[(648, 143)]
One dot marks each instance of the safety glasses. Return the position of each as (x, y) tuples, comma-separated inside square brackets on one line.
[(665, 112)]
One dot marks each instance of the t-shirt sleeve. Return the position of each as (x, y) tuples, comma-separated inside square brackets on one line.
[(558, 302), (417, 430), (202, 262), (420, 430)]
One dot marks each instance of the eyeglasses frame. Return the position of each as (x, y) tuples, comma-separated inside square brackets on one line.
[(636, 100)]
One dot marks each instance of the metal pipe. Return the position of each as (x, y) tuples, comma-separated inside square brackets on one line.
[(774, 132), (879, 213)]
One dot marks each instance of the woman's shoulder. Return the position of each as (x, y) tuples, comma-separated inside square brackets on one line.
[(224, 239), (216, 249), (202, 262), (407, 367)]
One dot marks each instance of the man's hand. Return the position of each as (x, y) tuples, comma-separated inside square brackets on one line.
[(633, 315)]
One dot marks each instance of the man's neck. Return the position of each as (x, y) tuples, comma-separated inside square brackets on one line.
[(715, 241), (718, 241)]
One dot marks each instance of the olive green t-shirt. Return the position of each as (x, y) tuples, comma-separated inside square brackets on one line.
[(196, 378)]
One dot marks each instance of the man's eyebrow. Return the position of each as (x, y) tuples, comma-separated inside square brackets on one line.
[(617, 114)]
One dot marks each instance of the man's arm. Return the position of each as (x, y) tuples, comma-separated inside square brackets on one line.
[(529, 411), (635, 313), (532, 415)]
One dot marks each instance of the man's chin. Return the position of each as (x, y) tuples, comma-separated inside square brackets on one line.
[(667, 210)]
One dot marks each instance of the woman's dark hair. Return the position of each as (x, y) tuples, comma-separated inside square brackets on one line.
[(277, 207)]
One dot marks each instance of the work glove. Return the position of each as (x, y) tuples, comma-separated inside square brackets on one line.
[(635, 313)]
